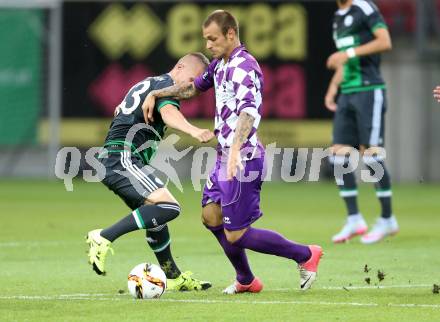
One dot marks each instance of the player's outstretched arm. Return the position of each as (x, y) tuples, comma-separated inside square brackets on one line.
[(332, 90), (437, 93), (174, 119), (380, 43), (244, 126), (179, 91)]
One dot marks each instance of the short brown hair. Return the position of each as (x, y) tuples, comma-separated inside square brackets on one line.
[(203, 59), (223, 19)]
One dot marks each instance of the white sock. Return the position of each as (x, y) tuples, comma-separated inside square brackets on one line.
[(355, 218)]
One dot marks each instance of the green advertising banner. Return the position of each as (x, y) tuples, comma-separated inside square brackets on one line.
[(21, 83)]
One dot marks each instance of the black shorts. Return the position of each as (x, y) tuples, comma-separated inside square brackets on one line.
[(129, 178), (360, 119)]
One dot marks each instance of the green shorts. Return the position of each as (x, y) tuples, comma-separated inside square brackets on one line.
[(129, 178), (360, 119)]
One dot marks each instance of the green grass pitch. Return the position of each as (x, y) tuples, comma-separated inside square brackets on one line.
[(44, 275)]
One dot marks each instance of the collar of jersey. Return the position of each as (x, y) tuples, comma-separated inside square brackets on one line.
[(234, 53), (342, 12), (168, 74)]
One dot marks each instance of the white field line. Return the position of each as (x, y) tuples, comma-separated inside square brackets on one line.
[(271, 302), (29, 243), (324, 303), (432, 306), (112, 295), (94, 297), (49, 243), (366, 287)]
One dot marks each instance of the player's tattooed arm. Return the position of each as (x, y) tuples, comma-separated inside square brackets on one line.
[(244, 127), (181, 91)]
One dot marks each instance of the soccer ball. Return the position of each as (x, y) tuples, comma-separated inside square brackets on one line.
[(147, 281)]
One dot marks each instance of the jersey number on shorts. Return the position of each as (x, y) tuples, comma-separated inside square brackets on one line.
[(133, 98)]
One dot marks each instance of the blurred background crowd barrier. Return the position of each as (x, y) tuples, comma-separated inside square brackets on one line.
[(65, 65)]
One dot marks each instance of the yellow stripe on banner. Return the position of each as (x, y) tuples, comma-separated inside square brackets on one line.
[(297, 133), (84, 132), (286, 133)]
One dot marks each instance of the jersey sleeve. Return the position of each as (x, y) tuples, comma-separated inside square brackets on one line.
[(375, 20), (247, 88), (206, 80), (161, 102)]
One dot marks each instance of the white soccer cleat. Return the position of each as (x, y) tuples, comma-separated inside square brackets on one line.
[(354, 226), (382, 228), (254, 287), (309, 270), (231, 289)]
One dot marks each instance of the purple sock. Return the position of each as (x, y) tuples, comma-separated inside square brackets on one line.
[(237, 256), (270, 242)]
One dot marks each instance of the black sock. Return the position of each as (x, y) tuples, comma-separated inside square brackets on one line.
[(160, 242), (347, 184), (144, 217), (383, 186)]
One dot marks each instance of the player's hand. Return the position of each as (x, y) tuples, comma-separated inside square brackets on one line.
[(329, 100), (234, 162), (148, 108), (203, 135), (337, 59), (436, 92), (330, 103)]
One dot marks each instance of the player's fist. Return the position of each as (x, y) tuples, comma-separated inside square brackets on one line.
[(203, 135), (436, 92), (148, 108), (330, 103), (234, 163), (337, 60), (329, 100)]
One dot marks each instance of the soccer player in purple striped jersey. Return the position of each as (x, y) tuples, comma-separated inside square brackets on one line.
[(231, 201)]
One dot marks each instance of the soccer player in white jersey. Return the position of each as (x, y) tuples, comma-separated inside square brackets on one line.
[(231, 199)]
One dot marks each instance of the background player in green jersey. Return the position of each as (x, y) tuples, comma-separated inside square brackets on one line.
[(360, 35), (130, 177)]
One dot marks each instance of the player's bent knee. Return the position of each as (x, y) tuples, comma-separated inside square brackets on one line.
[(160, 195), (169, 209), (157, 214), (234, 235), (212, 215), (210, 220), (167, 206)]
